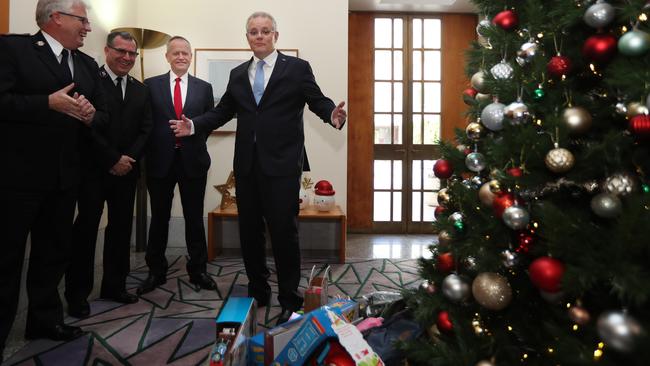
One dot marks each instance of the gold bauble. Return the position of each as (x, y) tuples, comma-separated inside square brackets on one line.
[(478, 81), (486, 195), (579, 315), (444, 238), (578, 119), (482, 98), (492, 291), (443, 197), (495, 186), (636, 108), (474, 130), (559, 160)]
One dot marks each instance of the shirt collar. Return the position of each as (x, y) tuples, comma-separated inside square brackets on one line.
[(112, 74), (172, 77), (55, 45), (269, 60)]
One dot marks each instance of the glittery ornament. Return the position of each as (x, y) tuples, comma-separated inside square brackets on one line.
[(517, 112), (492, 291), (444, 238), (485, 195), (558, 66), (635, 109), (509, 258), (578, 119), (620, 184), (492, 116), (474, 130), (506, 19), (619, 330), (502, 70), (455, 288), (475, 162), (599, 48), (606, 205), (546, 273), (640, 126), (579, 315), (524, 241), (634, 43), (478, 82), (469, 263), (599, 15), (526, 53), (559, 160), (516, 217)]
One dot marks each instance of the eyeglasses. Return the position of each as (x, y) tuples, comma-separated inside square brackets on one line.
[(123, 52), (83, 20), (263, 32)]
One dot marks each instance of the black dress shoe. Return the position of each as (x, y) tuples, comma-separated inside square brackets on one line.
[(150, 284), (59, 332), (123, 297), (284, 316), (203, 281), (79, 309)]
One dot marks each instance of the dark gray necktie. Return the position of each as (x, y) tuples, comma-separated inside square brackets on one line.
[(118, 88), (65, 66)]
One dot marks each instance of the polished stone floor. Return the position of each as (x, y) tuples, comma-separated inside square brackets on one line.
[(359, 246)]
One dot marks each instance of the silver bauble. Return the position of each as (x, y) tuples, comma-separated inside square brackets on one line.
[(485, 195), (621, 108), (474, 131), (634, 43), (482, 26), (517, 112), (475, 162), (492, 291), (606, 205), (478, 82), (502, 71), (516, 217), (456, 216), (599, 14), (636, 108), (455, 288), (428, 287), (461, 147), (526, 53), (476, 182), (444, 238), (482, 97), (619, 330), (559, 160), (492, 116), (620, 184), (509, 258), (578, 119)]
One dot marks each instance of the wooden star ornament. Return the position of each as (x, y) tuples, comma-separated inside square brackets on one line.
[(227, 191)]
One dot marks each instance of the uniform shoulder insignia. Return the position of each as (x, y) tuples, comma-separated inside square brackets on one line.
[(40, 43), (103, 73)]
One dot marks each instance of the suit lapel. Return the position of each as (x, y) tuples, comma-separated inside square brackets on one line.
[(166, 91), (47, 56), (278, 71)]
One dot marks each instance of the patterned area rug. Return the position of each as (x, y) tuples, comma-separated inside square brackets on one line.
[(174, 325)]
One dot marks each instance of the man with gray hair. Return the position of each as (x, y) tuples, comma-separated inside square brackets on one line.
[(50, 97)]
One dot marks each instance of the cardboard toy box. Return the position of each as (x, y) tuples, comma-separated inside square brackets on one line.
[(235, 324), (316, 292)]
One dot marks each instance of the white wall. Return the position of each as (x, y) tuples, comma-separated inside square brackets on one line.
[(318, 29)]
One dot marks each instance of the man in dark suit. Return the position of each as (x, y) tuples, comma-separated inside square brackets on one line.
[(268, 93), (183, 161), (111, 175), (50, 95)]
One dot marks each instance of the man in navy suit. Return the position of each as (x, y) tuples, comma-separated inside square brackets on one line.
[(173, 160), (268, 93), (111, 173), (50, 96)]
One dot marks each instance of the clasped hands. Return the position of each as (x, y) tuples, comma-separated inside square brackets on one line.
[(123, 166), (76, 106)]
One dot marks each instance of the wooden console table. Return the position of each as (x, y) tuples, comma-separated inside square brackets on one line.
[(322, 234)]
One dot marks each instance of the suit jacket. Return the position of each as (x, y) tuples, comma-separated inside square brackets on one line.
[(41, 147), (128, 128), (274, 128), (160, 150)]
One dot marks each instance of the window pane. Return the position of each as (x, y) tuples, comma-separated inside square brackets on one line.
[(432, 65), (417, 129), (398, 95), (381, 209), (416, 212), (397, 174), (397, 206), (431, 129), (398, 129), (383, 65), (432, 33), (398, 33), (383, 100), (383, 33), (417, 33), (417, 97), (431, 97), (382, 129), (417, 174), (427, 172), (430, 202), (382, 174), (417, 65), (397, 65)]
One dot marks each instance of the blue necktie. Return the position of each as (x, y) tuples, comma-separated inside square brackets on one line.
[(258, 83)]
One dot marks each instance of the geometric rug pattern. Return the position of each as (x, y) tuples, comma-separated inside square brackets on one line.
[(174, 325)]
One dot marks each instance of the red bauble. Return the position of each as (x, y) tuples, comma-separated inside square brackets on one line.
[(640, 125), (470, 93), (600, 48), (444, 323), (503, 201), (443, 169), (445, 262), (524, 241), (506, 19), (515, 172), (546, 273), (558, 66), (439, 212)]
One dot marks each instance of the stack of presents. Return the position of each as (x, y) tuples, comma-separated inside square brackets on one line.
[(330, 332)]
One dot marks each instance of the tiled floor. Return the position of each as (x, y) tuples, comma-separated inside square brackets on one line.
[(359, 246)]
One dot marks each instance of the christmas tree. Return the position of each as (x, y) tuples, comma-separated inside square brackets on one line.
[(544, 222)]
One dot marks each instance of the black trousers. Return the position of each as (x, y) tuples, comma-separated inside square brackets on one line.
[(161, 192), (119, 195), (272, 200), (48, 216)]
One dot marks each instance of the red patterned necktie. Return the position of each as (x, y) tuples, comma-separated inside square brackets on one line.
[(178, 106)]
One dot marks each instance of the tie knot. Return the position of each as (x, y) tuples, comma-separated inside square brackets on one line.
[(178, 80), (118, 81), (64, 53), (260, 64)]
